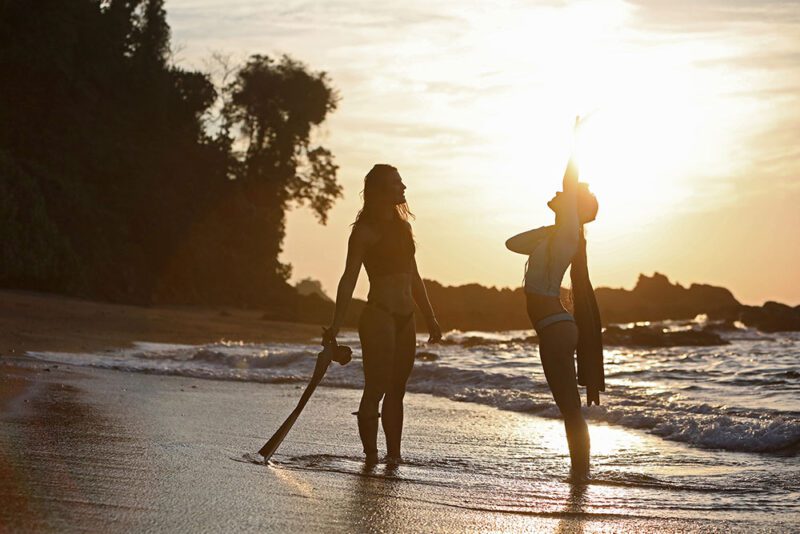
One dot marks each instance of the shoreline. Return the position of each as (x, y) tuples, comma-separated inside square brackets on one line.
[(101, 449), (44, 322), (32, 321), (114, 451)]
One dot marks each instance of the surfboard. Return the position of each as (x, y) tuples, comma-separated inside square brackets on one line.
[(333, 352)]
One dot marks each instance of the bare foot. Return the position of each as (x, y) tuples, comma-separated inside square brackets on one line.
[(394, 460), (579, 475)]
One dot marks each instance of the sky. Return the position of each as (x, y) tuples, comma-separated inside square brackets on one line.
[(692, 141)]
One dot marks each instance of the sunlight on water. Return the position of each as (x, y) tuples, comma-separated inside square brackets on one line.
[(606, 440)]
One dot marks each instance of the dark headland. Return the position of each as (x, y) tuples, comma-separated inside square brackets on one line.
[(653, 298)]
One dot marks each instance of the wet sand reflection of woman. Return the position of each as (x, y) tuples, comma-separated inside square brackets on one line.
[(383, 242)]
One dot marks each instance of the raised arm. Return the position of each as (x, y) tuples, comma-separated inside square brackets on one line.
[(565, 235), (570, 184), (421, 298), (526, 242), (356, 247)]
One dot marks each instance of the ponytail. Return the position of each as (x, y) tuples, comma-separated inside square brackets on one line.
[(587, 317)]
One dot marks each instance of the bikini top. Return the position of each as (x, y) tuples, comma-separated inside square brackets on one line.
[(549, 261), (393, 252), (552, 256)]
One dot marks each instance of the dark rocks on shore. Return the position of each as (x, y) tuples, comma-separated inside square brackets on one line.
[(478, 341), (644, 336), (771, 317), (655, 298), (639, 336), (473, 307), (474, 341), (528, 339)]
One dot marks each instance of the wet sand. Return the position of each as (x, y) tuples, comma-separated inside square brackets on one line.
[(98, 450)]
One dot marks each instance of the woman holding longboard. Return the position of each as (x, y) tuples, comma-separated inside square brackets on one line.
[(383, 242)]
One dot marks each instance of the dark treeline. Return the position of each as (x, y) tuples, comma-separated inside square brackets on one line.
[(126, 178)]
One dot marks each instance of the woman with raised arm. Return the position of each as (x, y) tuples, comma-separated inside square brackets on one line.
[(550, 251), (383, 242)]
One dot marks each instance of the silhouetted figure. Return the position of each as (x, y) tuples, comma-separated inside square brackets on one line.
[(551, 250), (383, 242)]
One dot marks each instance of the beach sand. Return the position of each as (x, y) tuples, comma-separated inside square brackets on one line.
[(97, 450), (44, 322), (85, 449)]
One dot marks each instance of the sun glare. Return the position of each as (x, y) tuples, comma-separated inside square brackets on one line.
[(643, 137), (606, 440), (653, 128)]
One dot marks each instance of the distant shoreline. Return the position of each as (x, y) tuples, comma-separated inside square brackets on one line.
[(32, 321)]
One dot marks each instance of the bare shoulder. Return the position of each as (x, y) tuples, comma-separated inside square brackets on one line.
[(364, 234)]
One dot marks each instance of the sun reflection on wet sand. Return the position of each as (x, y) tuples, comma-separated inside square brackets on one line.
[(606, 440), (287, 477)]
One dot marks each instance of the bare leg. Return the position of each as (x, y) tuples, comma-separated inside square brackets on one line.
[(557, 344), (403, 363), (377, 333)]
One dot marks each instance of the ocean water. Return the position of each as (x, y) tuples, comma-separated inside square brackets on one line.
[(687, 431), (742, 397)]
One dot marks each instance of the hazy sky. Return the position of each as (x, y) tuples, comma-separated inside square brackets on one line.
[(693, 146)]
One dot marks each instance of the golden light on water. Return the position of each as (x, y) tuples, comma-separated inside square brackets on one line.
[(607, 441)]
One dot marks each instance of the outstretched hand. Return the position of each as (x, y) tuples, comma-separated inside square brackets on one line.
[(434, 331), (328, 336)]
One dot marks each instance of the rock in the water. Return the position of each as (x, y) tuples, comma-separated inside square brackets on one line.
[(727, 325), (427, 356), (771, 317), (655, 298), (644, 336), (474, 341), (528, 340)]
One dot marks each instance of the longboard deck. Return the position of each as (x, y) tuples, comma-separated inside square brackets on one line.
[(340, 354)]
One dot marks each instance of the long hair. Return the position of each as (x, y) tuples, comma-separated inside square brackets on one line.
[(374, 187), (587, 317)]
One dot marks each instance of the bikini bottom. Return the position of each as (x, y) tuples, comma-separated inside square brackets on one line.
[(546, 321), (401, 320)]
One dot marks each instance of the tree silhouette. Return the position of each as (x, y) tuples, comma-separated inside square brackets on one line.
[(272, 107), (114, 180)]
